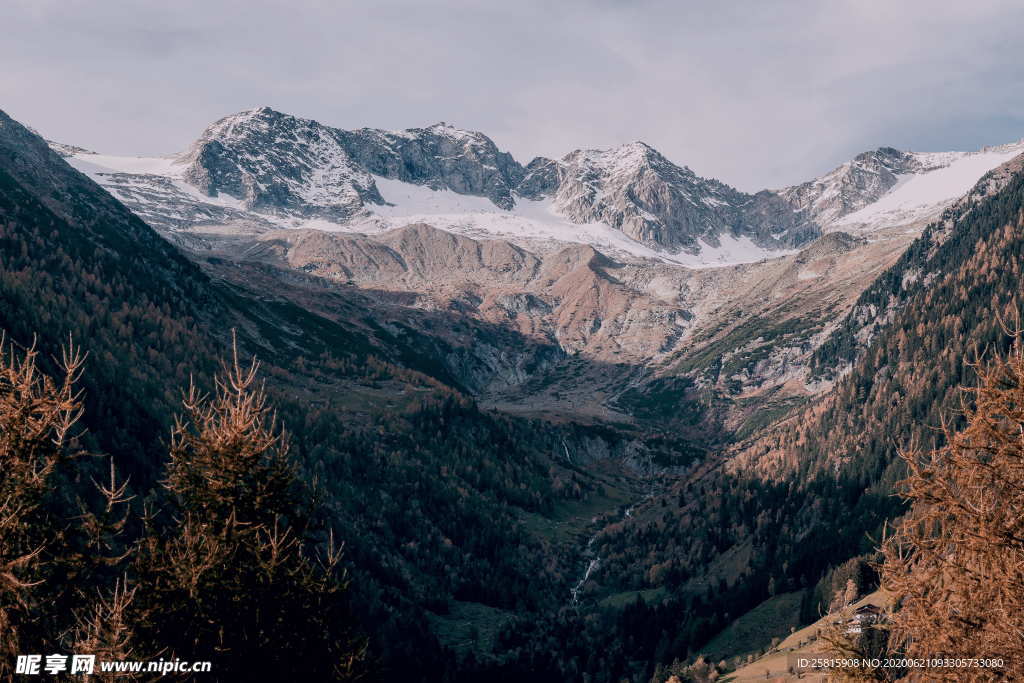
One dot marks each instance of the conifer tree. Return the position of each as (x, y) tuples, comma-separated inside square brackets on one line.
[(241, 576), (956, 561), (37, 417)]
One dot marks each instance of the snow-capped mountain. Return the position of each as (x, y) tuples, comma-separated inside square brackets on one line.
[(293, 167), (635, 189), (851, 186), (280, 165), (889, 187), (262, 169)]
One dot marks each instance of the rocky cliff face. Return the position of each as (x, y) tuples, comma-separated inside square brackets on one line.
[(278, 163), (916, 270)]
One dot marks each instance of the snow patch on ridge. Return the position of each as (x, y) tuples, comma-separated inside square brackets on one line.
[(95, 164), (923, 196), (102, 168), (536, 224)]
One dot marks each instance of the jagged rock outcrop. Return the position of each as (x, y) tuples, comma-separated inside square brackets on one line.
[(831, 244), (279, 163)]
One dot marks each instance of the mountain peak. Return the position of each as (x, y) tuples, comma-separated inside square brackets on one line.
[(440, 156), (247, 114), (887, 186), (253, 112), (280, 164), (637, 147), (635, 152), (446, 130), (258, 120), (445, 126), (890, 158), (625, 159)]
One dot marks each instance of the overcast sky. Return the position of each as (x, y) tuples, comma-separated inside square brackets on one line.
[(758, 94)]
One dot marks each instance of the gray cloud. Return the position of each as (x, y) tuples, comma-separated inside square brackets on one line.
[(758, 94)]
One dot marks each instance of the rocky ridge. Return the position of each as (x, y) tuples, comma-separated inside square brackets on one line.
[(286, 169), (262, 168)]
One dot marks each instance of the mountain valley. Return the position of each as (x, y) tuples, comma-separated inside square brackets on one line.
[(573, 418)]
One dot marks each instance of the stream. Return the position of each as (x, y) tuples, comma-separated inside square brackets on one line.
[(649, 482), (594, 562)]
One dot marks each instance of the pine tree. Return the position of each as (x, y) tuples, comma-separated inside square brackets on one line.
[(241, 576), (956, 561), (37, 416)]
